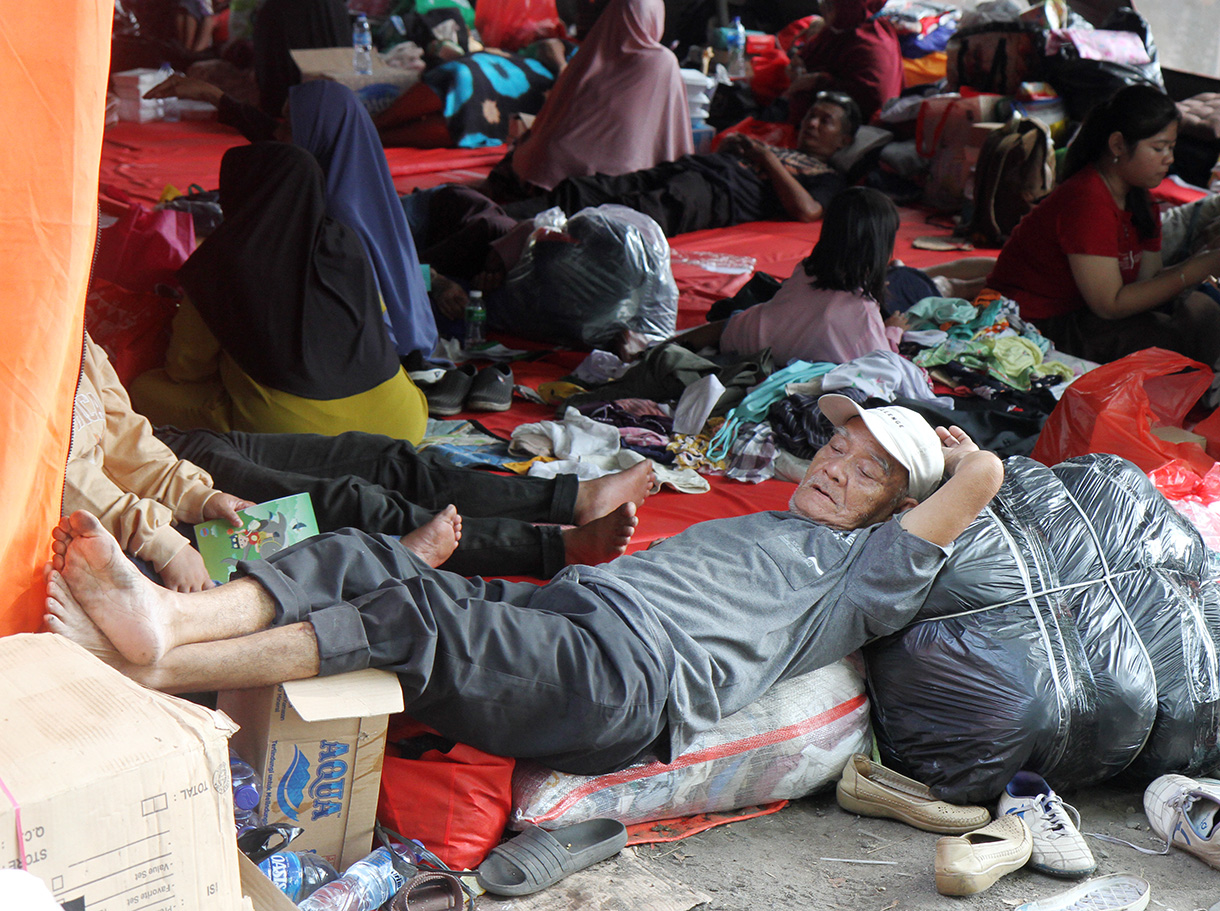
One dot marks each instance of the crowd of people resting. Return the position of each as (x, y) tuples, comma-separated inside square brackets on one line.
[(285, 374)]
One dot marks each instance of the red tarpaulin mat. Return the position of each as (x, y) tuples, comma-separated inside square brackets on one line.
[(142, 158)]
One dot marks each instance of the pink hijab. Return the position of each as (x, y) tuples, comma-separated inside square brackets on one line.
[(619, 106)]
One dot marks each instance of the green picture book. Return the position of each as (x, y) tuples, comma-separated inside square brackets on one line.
[(265, 528)]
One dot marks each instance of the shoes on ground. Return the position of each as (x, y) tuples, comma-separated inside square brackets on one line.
[(448, 395), (966, 864), (1059, 848), (422, 371), (492, 389), (1183, 811), (870, 789), (1115, 892)]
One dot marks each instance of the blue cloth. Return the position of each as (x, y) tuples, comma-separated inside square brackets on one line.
[(333, 126)]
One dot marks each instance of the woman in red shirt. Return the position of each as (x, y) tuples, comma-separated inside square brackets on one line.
[(1085, 265)]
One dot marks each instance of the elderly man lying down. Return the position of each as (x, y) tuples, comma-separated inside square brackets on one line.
[(596, 668)]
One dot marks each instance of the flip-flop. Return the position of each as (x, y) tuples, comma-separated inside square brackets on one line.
[(537, 858)]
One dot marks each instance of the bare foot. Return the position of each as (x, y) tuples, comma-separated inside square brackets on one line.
[(601, 496), (435, 542), (131, 611), (65, 617), (602, 539)]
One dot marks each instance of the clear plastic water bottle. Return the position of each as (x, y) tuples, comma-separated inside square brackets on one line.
[(736, 41), (298, 874), (476, 321), (1214, 185), (168, 107), (366, 886), (245, 793), (362, 46)]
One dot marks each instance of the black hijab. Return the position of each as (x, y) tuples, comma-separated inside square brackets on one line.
[(288, 291), (281, 26)]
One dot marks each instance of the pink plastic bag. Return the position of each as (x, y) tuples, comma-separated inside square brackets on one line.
[(145, 246)]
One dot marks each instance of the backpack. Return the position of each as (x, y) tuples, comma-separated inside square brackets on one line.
[(1015, 170)]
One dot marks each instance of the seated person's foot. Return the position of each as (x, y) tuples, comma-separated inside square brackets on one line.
[(602, 539), (90, 574), (600, 496), (435, 542)]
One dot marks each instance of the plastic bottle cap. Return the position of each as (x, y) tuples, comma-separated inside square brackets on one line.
[(245, 797)]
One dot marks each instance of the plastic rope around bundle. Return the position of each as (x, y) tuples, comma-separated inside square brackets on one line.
[(1073, 632), (587, 279)]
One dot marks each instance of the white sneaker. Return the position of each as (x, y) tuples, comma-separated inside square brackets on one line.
[(1115, 892), (1059, 848), (1183, 812)]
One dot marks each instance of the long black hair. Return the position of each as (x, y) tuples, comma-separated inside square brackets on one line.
[(1137, 112), (857, 242)]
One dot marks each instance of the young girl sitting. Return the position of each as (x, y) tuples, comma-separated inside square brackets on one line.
[(832, 308)]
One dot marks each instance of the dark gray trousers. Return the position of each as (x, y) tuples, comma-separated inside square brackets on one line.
[(383, 485), (547, 672)]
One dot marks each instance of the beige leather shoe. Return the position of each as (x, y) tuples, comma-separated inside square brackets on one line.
[(966, 864), (869, 789)]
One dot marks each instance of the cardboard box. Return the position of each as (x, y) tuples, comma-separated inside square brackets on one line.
[(317, 746), (376, 91), (117, 796)]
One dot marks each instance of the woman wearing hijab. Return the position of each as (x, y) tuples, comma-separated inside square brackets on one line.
[(619, 106), (856, 52), (280, 330), (280, 26), (329, 122)]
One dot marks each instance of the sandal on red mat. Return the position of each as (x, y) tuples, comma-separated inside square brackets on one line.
[(537, 858)]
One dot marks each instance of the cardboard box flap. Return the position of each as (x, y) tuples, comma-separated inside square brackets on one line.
[(85, 707), (318, 60), (259, 890), (359, 694)]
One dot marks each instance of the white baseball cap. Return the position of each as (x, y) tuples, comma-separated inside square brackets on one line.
[(902, 433)]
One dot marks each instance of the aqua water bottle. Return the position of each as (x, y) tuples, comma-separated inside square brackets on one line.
[(298, 874), (362, 46), (245, 793), (366, 886), (737, 49)]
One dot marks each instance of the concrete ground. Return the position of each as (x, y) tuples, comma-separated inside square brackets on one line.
[(781, 861)]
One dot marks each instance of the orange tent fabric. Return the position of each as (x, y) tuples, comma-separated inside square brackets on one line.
[(52, 106)]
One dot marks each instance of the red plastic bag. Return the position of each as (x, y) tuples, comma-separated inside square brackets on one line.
[(132, 326), (456, 802), (512, 24), (1115, 407), (145, 246)]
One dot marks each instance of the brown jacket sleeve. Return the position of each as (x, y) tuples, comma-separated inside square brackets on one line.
[(123, 474)]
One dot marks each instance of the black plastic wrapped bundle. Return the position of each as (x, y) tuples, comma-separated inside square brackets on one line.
[(587, 279), (1071, 633)]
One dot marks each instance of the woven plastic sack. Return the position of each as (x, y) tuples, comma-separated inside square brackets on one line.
[(793, 741)]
